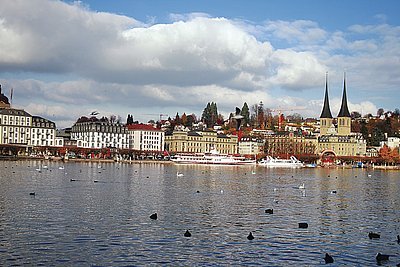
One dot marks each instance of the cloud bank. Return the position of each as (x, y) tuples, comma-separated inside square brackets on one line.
[(113, 63)]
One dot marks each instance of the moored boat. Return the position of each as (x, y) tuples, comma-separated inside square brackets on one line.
[(213, 158), (293, 162)]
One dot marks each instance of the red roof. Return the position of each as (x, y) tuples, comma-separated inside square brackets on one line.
[(143, 127)]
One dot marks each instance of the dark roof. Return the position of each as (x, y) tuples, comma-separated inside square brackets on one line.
[(14, 112), (326, 110), (344, 110)]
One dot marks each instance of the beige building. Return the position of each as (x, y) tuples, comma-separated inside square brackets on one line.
[(200, 142), (339, 139), (249, 145), (290, 143)]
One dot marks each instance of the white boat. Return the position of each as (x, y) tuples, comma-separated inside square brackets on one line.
[(293, 162), (212, 158)]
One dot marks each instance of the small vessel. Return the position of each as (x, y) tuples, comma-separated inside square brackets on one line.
[(293, 162), (213, 158)]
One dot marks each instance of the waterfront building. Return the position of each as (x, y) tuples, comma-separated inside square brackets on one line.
[(249, 145), (146, 138), (100, 134), (290, 143), (391, 142), (43, 132), (201, 142), (15, 127), (339, 140)]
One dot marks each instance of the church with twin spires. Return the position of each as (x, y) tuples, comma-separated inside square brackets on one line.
[(336, 138)]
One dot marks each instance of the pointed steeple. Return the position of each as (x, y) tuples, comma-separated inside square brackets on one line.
[(344, 110), (326, 110)]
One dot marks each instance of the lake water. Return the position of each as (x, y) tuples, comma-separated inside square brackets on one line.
[(106, 223)]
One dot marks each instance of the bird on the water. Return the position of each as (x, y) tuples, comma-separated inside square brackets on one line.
[(372, 235), (328, 258), (250, 236), (382, 257), (153, 216), (187, 234)]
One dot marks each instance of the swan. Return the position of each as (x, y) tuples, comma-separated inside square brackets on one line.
[(179, 174), (302, 186)]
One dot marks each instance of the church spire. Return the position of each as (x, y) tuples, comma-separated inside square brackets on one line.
[(344, 110), (326, 111)]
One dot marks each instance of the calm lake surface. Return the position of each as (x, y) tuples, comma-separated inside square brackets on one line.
[(106, 223)]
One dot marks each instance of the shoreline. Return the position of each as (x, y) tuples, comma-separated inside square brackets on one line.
[(152, 161)]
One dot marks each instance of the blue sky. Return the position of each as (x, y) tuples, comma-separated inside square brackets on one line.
[(65, 59)]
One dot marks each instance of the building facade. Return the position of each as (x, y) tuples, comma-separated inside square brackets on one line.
[(99, 134), (201, 142), (15, 127), (43, 132), (290, 143), (249, 145), (146, 138)]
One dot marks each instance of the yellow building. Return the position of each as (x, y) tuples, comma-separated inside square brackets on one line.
[(290, 143), (200, 142), (339, 140)]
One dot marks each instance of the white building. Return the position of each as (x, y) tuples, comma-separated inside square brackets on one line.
[(250, 146), (391, 142), (43, 132), (146, 138), (15, 126), (100, 134)]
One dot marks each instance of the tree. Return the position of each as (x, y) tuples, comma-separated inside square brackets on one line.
[(113, 119), (380, 112), (177, 119), (246, 114), (129, 120), (364, 130), (210, 114), (355, 115), (184, 119)]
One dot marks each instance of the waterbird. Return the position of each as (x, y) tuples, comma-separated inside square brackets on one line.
[(32, 193), (153, 216), (179, 174), (398, 239), (250, 236), (302, 186), (333, 192), (72, 180), (328, 258), (187, 234), (269, 211), (95, 181), (369, 175), (253, 172), (382, 257), (197, 191), (373, 235), (303, 225)]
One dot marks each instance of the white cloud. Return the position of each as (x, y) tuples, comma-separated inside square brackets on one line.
[(117, 62)]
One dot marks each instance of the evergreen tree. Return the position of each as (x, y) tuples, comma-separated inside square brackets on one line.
[(210, 114), (246, 114)]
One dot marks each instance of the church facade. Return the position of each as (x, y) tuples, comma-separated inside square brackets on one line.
[(337, 139)]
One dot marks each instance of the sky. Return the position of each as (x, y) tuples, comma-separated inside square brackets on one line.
[(65, 59)]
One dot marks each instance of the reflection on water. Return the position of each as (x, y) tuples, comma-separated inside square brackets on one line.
[(98, 214)]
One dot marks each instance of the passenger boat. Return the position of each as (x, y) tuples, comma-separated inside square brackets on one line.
[(213, 158), (293, 162)]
